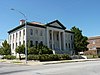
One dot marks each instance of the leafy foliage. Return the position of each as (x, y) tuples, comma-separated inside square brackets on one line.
[(1, 51), (49, 57), (80, 41), (33, 50), (21, 50), (39, 49), (5, 49), (9, 57)]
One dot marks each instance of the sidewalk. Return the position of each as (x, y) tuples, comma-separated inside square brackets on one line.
[(22, 62)]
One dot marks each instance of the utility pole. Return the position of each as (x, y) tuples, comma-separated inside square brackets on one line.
[(25, 32)]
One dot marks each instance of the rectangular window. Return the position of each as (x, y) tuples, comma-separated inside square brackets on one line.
[(19, 43), (31, 43), (41, 43), (36, 42), (16, 36), (16, 44), (57, 37), (13, 45), (50, 36), (41, 33), (24, 32), (20, 33), (23, 42), (71, 37), (13, 36), (31, 31), (69, 45), (10, 37), (36, 31), (66, 45)]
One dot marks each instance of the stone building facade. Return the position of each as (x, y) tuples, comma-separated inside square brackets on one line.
[(53, 34)]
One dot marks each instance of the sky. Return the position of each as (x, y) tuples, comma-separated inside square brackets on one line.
[(84, 14)]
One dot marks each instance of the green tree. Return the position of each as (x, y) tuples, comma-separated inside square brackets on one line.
[(1, 51), (5, 49), (80, 41), (20, 50), (45, 50), (39, 49), (33, 50)]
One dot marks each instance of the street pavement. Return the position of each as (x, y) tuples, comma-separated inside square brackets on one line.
[(74, 68)]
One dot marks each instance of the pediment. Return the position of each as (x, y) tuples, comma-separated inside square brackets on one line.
[(56, 24)]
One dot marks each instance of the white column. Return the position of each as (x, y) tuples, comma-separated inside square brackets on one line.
[(64, 40), (48, 38), (59, 41), (52, 40)]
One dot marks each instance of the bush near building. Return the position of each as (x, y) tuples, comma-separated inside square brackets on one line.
[(10, 57), (49, 57), (39, 49)]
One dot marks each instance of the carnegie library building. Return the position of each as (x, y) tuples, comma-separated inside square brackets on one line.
[(53, 34)]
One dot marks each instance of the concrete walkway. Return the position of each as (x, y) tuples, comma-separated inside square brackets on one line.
[(22, 62)]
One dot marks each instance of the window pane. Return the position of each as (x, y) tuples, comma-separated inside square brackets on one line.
[(24, 32), (31, 32)]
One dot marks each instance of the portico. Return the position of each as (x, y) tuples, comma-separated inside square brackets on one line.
[(56, 39)]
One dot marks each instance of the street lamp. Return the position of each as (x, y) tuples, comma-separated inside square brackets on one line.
[(25, 32)]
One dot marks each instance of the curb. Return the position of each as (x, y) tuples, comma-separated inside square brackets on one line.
[(45, 63)]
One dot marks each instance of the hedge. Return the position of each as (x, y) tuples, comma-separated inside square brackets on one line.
[(9, 57), (51, 57), (98, 56), (33, 57)]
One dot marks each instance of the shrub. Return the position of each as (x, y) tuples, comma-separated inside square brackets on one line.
[(65, 57), (44, 57), (51, 57), (55, 57), (98, 56), (33, 50), (9, 57), (39, 49), (33, 57)]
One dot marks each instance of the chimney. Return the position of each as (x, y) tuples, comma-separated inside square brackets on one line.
[(22, 22)]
